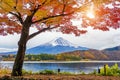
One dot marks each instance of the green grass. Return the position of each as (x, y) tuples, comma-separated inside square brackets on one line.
[(47, 72)]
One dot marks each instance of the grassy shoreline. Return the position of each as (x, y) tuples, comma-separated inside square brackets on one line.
[(51, 75)]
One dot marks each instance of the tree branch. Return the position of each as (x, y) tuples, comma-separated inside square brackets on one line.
[(37, 8), (45, 18), (38, 32), (64, 5), (18, 16)]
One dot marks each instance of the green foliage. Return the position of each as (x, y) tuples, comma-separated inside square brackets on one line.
[(32, 57), (47, 72), (94, 72), (66, 73), (82, 72), (111, 71), (24, 72), (45, 57)]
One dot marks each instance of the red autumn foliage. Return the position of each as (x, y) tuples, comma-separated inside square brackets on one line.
[(106, 17)]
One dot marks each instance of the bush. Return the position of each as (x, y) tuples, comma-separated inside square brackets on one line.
[(24, 72), (4, 70), (110, 71), (47, 72), (94, 72), (82, 72), (66, 73)]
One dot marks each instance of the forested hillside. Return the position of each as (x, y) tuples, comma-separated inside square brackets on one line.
[(71, 56), (96, 54)]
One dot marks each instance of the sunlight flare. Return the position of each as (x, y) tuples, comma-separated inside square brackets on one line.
[(90, 13)]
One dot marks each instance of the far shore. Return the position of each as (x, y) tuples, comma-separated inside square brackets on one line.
[(63, 61)]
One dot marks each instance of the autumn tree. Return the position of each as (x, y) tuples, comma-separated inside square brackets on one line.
[(106, 16), (18, 16)]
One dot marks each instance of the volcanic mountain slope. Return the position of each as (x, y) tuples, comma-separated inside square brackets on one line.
[(55, 46)]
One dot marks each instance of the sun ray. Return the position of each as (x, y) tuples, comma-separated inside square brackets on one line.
[(90, 13)]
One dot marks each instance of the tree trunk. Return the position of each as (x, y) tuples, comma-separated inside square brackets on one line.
[(17, 67)]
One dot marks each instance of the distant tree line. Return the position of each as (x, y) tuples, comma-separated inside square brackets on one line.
[(44, 57)]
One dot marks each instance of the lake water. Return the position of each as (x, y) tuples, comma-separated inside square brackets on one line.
[(75, 67)]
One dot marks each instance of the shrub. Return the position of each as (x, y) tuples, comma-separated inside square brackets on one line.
[(66, 73), (24, 72), (47, 72), (4, 70), (94, 72), (111, 71), (82, 72)]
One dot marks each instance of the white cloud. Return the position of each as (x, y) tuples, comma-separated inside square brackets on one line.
[(93, 39), (9, 41), (7, 49)]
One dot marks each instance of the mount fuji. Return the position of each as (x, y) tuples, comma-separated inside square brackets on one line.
[(58, 45)]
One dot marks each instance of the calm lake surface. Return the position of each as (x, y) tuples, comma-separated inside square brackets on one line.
[(73, 66)]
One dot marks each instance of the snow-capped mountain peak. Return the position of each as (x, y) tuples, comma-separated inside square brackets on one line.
[(60, 41), (57, 45)]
